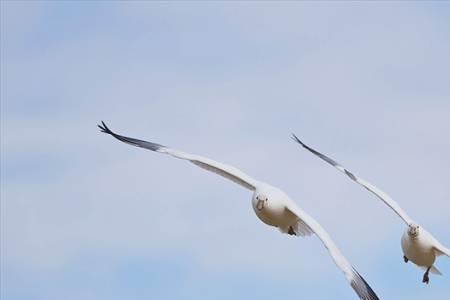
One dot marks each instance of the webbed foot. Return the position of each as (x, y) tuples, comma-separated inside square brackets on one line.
[(291, 231), (426, 279)]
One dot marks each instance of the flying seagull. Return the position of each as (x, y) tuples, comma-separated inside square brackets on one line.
[(271, 205), (418, 245)]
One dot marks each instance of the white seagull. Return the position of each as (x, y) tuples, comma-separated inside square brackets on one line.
[(271, 205), (418, 245)]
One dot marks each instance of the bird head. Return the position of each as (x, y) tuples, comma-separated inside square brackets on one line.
[(413, 230), (261, 201)]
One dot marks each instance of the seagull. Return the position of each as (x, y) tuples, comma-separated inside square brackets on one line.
[(271, 206), (418, 245)]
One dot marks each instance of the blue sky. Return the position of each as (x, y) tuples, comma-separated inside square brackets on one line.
[(83, 216)]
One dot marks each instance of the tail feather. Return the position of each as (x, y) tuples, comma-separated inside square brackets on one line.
[(362, 288), (433, 270)]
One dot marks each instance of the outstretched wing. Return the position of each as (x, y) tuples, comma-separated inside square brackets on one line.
[(440, 249), (371, 188), (357, 282), (221, 169)]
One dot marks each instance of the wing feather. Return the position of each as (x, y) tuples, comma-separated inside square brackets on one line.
[(357, 282), (441, 249), (371, 188), (221, 169)]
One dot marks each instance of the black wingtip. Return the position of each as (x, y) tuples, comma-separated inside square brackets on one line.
[(367, 293), (296, 139), (128, 140), (104, 128)]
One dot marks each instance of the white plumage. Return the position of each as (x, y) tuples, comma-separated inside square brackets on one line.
[(418, 245)]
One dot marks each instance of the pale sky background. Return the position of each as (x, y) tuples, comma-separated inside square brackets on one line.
[(86, 217)]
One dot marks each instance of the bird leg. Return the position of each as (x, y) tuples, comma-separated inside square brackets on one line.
[(291, 231), (426, 279), (405, 259)]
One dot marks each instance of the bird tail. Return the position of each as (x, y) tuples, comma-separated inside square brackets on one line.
[(433, 270)]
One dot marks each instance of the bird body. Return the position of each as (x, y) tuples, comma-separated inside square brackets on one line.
[(419, 249), (270, 204), (270, 213)]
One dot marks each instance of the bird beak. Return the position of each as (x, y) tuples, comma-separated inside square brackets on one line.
[(260, 205)]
